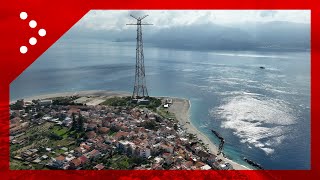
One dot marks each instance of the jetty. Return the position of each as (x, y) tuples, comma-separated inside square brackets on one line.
[(252, 163), (221, 140)]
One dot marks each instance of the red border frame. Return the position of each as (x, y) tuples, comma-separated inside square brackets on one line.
[(58, 16)]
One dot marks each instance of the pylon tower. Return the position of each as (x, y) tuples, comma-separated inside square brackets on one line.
[(140, 87)]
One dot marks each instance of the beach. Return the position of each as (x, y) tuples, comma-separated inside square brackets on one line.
[(180, 107), (93, 93)]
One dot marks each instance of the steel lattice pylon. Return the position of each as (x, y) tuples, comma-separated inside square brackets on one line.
[(140, 87)]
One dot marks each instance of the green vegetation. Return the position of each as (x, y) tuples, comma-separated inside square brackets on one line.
[(165, 113), (152, 125), (175, 127), (54, 136), (39, 115), (16, 106), (125, 162), (113, 130), (118, 101), (60, 131), (121, 162), (45, 135), (77, 124), (126, 101), (19, 165), (154, 103), (64, 100)]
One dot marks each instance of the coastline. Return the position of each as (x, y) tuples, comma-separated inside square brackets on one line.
[(75, 93), (180, 108)]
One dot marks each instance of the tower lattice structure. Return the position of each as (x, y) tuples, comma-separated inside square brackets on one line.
[(140, 87)]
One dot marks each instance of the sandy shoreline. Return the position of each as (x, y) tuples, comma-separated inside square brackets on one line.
[(180, 108), (77, 93)]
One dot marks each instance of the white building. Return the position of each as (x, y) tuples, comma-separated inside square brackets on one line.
[(145, 152), (45, 102)]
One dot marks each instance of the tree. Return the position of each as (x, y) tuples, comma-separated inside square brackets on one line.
[(114, 129), (152, 125), (74, 122), (175, 127), (39, 115), (80, 122)]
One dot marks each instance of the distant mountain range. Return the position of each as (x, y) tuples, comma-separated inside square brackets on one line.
[(276, 35)]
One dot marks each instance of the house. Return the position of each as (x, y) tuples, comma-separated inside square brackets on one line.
[(211, 159), (59, 161), (75, 163), (67, 121), (103, 130), (167, 148), (45, 102), (91, 127), (47, 118), (186, 165), (86, 147), (102, 147), (83, 159), (15, 120), (169, 101), (90, 134), (79, 151), (126, 147), (199, 164), (203, 155), (19, 128), (99, 166), (121, 134), (44, 157), (94, 154), (167, 158), (73, 110), (157, 166), (29, 153), (144, 152)]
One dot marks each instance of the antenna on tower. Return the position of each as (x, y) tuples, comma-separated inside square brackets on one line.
[(140, 87)]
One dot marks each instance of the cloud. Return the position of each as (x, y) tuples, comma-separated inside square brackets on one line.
[(266, 13), (137, 13), (117, 19)]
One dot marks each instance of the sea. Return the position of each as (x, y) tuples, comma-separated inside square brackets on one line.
[(263, 114)]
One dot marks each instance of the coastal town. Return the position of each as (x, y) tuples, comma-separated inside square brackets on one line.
[(95, 132)]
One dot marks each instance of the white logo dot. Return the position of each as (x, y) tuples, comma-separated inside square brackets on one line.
[(33, 41), (33, 24), (42, 32), (23, 49), (23, 15)]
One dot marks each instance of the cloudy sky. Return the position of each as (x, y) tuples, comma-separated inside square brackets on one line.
[(116, 19), (205, 30)]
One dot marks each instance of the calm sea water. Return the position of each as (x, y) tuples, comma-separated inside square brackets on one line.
[(263, 115)]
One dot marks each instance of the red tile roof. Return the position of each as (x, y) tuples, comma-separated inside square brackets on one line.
[(99, 166), (76, 162), (83, 159), (60, 158)]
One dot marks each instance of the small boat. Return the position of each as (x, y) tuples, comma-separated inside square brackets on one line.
[(261, 67)]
